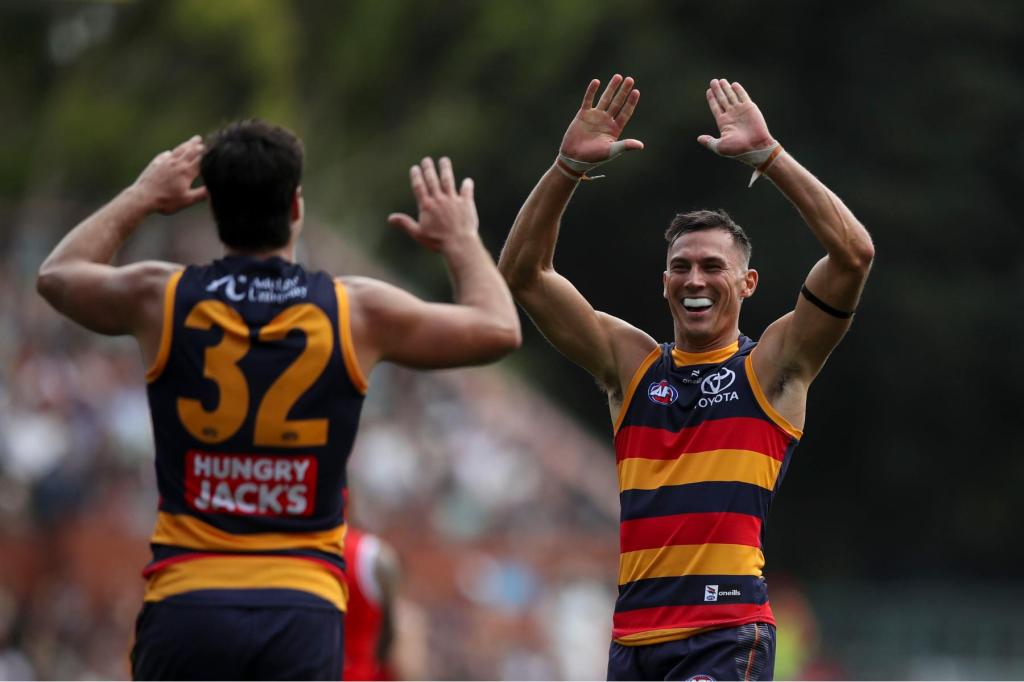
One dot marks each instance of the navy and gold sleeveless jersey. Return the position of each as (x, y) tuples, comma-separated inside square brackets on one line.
[(255, 397), (700, 454)]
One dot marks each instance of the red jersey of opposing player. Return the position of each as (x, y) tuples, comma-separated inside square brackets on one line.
[(370, 574)]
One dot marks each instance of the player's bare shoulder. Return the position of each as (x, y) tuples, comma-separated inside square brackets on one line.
[(371, 300), (630, 346)]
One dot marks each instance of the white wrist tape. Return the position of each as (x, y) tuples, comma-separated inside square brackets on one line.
[(574, 169), (760, 159)]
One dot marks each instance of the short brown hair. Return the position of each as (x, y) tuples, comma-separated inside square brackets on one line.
[(704, 219)]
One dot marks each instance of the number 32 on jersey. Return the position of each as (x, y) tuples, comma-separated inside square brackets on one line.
[(220, 365)]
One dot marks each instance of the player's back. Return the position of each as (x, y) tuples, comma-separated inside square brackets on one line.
[(255, 397)]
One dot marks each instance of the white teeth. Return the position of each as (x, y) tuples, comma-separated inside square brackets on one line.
[(696, 302)]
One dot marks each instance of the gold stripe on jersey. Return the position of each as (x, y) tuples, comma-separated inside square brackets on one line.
[(682, 358), (745, 466), (348, 349), (167, 330), (678, 560), (247, 572), (627, 397), (180, 530), (762, 400), (660, 636)]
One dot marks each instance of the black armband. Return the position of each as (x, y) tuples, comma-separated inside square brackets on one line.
[(825, 307)]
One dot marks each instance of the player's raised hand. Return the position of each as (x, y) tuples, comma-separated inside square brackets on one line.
[(166, 183), (593, 135), (740, 123), (743, 132), (445, 214)]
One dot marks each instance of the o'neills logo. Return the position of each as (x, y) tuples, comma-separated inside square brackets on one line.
[(250, 485)]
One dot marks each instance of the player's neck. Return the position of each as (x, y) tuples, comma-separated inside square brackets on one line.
[(701, 344), (286, 253)]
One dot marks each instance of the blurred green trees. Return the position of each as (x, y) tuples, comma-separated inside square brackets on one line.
[(910, 110)]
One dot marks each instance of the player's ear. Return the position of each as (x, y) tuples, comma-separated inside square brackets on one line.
[(749, 283), (298, 207), (664, 285)]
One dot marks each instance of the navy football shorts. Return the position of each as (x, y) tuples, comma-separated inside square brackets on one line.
[(187, 637), (746, 652)]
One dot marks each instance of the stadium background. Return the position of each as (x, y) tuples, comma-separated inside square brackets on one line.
[(894, 547)]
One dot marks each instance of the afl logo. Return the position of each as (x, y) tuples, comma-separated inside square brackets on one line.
[(718, 382), (662, 393)]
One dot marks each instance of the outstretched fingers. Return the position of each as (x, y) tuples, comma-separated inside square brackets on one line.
[(588, 96), (419, 185), (727, 90), (741, 94), (721, 99), (609, 92), (447, 175), (709, 142), (622, 118), (406, 223), (621, 96), (713, 104), (433, 183), (466, 191)]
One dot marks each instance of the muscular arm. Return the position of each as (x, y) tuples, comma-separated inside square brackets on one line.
[(794, 348), (480, 326), (605, 346), (808, 336), (77, 278)]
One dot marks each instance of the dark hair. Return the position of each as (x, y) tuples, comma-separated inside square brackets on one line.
[(251, 170), (697, 221)]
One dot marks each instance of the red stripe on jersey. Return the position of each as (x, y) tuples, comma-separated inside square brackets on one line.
[(690, 529), (733, 433), (668, 617)]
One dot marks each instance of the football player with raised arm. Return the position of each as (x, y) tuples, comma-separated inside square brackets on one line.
[(705, 424), (257, 370)]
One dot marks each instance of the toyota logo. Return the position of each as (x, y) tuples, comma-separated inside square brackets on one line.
[(718, 382)]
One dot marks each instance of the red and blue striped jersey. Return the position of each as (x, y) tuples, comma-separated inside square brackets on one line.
[(700, 454), (255, 397)]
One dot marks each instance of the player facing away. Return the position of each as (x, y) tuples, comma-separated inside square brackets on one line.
[(705, 425), (257, 373)]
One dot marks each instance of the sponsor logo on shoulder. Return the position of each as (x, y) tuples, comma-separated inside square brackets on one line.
[(711, 593), (662, 392), (715, 388)]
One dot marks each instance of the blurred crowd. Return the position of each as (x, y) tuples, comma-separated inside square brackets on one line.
[(503, 512)]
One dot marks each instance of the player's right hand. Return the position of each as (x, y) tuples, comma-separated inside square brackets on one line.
[(166, 183), (445, 215), (593, 135)]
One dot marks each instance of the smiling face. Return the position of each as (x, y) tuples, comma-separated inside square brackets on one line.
[(705, 284)]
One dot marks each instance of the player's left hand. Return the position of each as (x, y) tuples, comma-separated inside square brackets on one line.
[(166, 183), (740, 123)]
